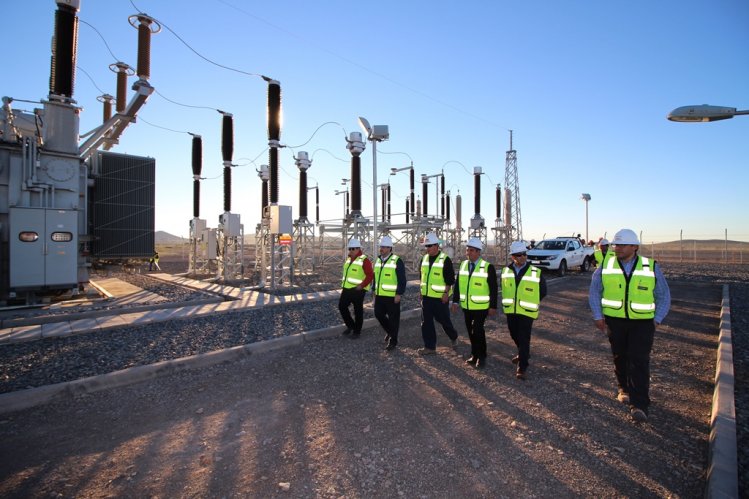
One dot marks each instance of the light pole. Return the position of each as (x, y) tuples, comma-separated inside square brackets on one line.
[(704, 113), (586, 197), (375, 134)]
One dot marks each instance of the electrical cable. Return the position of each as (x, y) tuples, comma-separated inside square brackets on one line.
[(89, 77), (229, 68), (102, 39)]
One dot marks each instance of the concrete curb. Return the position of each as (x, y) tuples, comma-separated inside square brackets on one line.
[(723, 470), (32, 397)]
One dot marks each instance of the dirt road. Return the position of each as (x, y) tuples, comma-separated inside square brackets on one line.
[(343, 418)]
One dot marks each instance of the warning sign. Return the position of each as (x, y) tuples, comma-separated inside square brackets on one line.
[(284, 239)]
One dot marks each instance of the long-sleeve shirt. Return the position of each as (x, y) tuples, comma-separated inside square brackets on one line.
[(493, 287), (400, 274), (661, 293), (520, 272), (366, 267)]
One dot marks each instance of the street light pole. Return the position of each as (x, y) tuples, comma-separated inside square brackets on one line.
[(586, 197), (375, 134)]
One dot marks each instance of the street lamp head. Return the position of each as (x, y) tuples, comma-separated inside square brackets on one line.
[(376, 133), (585, 196), (703, 113)]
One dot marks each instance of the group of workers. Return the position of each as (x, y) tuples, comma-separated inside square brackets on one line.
[(628, 298)]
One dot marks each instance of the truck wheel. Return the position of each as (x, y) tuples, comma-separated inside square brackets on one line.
[(586, 264), (563, 267)]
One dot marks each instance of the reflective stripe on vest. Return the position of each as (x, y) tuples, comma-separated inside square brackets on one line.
[(353, 272), (432, 278), (474, 289), (524, 299), (387, 279), (637, 293)]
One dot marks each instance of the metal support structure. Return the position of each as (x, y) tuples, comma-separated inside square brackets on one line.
[(513, 218)]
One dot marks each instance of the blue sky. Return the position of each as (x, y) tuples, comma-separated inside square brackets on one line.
[(586, 87)]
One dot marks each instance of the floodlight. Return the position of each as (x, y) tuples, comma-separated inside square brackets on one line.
[(703, 113)]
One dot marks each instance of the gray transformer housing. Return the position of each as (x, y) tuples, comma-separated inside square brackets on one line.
[(41, 212), (121, 206)]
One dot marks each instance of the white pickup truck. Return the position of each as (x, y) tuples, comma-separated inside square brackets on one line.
[(560, 254)]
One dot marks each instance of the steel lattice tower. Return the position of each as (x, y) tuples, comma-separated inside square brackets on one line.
[(513, 220)]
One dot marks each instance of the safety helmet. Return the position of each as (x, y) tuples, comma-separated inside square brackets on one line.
[(475, 242), (626, 236), (430, 239), (354, 243), (603, 242), (517, 247), (386, 242)]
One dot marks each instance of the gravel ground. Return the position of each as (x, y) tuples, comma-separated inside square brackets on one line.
[(45, 362)]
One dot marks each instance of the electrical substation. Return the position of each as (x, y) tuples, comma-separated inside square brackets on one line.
[(67, 202)]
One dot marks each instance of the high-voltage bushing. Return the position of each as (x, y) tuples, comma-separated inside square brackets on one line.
[(303, 163), (227, 151), (64, 50), (106, 101), (123, 70), (477, 221), (146, 26), (274, 135), (264, 175), (197, 168), (356, 145)]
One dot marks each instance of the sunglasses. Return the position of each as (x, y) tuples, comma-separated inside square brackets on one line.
[(353, 249), (429, 245), (517, 255)]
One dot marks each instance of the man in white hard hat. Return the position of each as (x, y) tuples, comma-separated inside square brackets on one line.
[(629, 297), (357, 275), (602, 251), (523, 288), (476, 294), (389, 285), (437, 278)]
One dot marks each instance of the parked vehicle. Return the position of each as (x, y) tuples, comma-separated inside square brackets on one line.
[(561, 253)]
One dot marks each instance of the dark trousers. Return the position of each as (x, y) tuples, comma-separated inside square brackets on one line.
[(474, 320), (631, 343), (432, 309), (520, 331), (353, 297), (388, 314)]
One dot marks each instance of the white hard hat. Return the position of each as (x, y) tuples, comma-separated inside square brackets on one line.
[(517, 247), (386, 241), (475, 242), (626, 236), (354, 243), (603, 242), (431, 239)]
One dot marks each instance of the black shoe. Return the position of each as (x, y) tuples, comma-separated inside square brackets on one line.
[(472, 360), (516, 359), (480, 363), (355, 335), (347, 331), (387, 338), (520, 374), (390, 346)]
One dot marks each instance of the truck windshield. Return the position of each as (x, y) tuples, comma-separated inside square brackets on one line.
[(551, 245)]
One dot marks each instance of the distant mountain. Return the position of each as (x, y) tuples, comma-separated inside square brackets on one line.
[(161, 237)]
